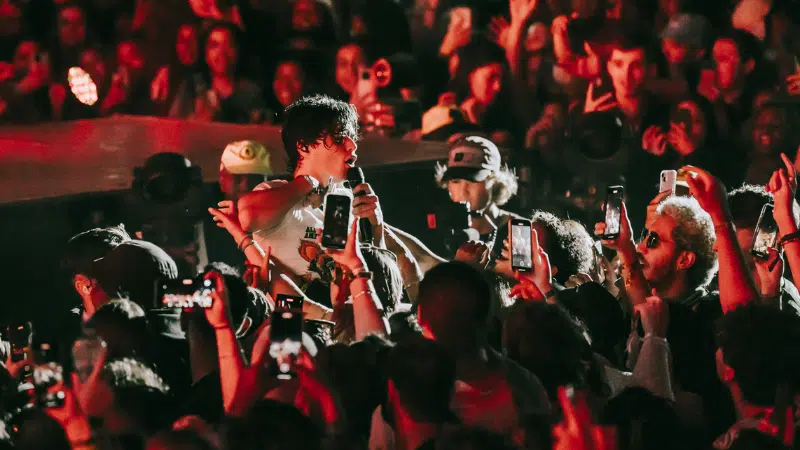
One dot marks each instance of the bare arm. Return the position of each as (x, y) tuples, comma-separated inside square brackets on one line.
[(424, 257), (265, 209), (409, 268)]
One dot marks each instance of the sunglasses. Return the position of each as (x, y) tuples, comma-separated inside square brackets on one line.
[(651, 239)]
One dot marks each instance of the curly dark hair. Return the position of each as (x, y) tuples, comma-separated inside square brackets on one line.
[(311, 120), (566, 244), (760, 344), (86, 247)]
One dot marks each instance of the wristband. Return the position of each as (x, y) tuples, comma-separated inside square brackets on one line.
[(361, 294), (243, 241), (550, 294), (365, 274), (791, 237), (245, 246)]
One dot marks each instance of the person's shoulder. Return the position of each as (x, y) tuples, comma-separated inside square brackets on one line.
[(526, 388), (267, 185)]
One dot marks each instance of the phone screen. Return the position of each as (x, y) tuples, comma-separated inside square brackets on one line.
[(766, 233), (521, 258), (285, 301), (286, 337), (337, 221), (185, 293), (613, 210), (19, 338)]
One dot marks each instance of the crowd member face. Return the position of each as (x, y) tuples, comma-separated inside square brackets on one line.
[(474, 192), (769, 131), (730, 69), (627, 69), (699, 127), (674, 52), (305, 15), (92, 62), (221, 52), (186, 45), (71, 27), (129, 56), (485, 83), (288, 83), (25, 55), (10, 19), (661, 264), (349, 60), (330, 159), (670, 7)]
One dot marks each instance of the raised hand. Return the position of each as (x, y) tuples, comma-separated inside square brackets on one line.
[(624, 242), (473, 252), (654, 314), (679, 140), (783, 187), (520, 10), (218, 315), (654, 140), (576, 431), (709, 192), (499, 29), (603, 103), (351, 256)]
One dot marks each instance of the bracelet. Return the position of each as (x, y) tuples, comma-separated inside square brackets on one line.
[(362, 293), (791, 237), (367, 275), (245, 238), (550, 294), (358, 270), (245, 246)]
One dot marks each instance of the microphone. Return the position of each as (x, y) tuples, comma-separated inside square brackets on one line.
[(355, 176)]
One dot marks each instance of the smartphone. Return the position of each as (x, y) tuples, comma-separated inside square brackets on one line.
[(85, 352), (285, 301), (286, 340), (337, 221), (668, 180), (184, 293), (20, 338), (614, 196), (520, 239), (766, 234)]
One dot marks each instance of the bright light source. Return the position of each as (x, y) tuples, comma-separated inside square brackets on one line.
[(82, 86)]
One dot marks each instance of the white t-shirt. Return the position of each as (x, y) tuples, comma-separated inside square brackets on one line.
[(294, 239)]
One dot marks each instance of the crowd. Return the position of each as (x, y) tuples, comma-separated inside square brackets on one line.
[(672, 324)]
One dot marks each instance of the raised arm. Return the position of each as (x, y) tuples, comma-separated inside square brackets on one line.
[(264, 209), (425, 258), (736, 286), (783, 187)]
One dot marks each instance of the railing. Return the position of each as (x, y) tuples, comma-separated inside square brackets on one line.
[(70, 158)]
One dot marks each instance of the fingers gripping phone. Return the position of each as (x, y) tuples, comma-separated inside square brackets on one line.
[(337, 221), (613, 206), (520, 235), (286, 340), (765, 235), (184, 293)]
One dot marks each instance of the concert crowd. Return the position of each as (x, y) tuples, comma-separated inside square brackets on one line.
[(613, 270)]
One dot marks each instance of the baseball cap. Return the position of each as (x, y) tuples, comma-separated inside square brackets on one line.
[(687, 29), (472, 158), (246, 158), (132, 268)]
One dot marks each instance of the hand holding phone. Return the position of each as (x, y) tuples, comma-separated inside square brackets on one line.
[(293, 302), (668, 180), (185, 293)]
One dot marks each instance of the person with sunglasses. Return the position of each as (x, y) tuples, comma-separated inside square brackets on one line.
[(675, 260)]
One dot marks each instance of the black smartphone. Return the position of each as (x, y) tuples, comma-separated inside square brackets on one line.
[(766, 234), (185, 293), (286, 340), (614, 196), (520, 239), (336, 222), (285, 301), (20, 338)]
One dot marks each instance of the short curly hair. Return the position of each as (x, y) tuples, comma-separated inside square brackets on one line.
[(311, 120), (694, 232), (746, 202), (502, 185), (569, 245)]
